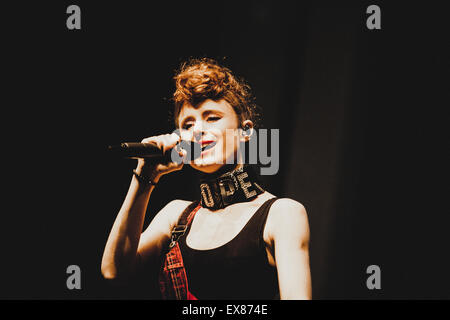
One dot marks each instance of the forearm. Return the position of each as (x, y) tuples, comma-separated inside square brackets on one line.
[(120, 252)]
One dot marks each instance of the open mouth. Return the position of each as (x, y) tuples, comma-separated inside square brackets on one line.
[(208, 146)]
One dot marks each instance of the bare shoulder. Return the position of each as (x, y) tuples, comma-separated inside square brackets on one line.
[(157, 234), (288, 216), (173, 210), (288, 206), (164, 221)]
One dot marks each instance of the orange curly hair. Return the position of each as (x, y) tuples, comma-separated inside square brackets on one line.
[(201, 79)]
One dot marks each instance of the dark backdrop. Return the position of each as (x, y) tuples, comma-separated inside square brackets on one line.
[(359, 114)]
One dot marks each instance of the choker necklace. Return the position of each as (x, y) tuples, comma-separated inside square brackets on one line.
[(219, 190)]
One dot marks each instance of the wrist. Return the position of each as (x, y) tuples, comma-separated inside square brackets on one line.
[(144, 180), (146, 172)]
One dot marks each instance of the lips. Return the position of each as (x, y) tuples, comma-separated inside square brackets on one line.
[(207, 144)]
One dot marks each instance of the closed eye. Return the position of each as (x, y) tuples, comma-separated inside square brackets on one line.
[(186, 126), (212, 118)]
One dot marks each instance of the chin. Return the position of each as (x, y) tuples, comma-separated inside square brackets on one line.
[(211, 165), (206, 167)]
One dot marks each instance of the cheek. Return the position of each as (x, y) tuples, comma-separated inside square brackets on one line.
[(186, 135), (230, 140)]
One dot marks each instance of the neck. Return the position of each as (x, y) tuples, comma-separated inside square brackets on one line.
[(222, 170), (230, 184)]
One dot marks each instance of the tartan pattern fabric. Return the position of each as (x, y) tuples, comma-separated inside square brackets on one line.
[(172, 278)]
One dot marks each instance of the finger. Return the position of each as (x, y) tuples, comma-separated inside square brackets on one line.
[(174, 138), (153, 140), (182, 153), (173, 166), (169, 141), (177, 132)]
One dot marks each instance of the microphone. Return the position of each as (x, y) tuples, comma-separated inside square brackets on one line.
[(138, 150)]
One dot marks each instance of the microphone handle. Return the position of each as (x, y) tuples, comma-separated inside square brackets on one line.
[(138, 150)]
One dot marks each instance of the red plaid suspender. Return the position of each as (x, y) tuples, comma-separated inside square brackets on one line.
[(172, 278)]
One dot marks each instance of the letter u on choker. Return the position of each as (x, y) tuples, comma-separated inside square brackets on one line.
[(238, 185)]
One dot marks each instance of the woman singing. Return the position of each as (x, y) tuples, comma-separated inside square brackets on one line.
[(239, 241)]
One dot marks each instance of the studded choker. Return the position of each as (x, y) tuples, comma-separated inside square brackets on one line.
[(219, 190)]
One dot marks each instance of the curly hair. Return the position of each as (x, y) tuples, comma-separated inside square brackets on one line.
[(201, 79)]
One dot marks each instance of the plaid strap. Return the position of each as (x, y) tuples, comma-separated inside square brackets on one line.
[(172, 278)]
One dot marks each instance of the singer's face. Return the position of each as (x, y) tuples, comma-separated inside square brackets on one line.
[(214, 124)]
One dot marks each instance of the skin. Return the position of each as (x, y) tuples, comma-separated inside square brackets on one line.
[(286, 233)]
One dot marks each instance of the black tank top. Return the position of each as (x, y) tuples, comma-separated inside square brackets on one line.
[(236, 270)]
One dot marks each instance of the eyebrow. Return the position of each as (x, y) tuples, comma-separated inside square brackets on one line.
[(204, 114)]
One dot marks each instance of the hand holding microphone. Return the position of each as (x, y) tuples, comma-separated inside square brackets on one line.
[(162, 165), (158, 155)]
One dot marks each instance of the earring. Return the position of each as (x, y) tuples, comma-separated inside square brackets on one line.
[(247, 131)]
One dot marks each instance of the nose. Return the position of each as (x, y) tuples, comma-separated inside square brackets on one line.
[(198, 131)]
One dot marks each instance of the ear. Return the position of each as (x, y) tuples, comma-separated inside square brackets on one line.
[(246, 131)]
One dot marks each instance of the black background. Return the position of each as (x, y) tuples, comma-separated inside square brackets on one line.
[(360, 112)]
